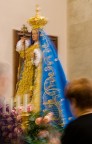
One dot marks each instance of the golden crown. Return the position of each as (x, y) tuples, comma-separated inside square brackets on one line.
[(37, 21)]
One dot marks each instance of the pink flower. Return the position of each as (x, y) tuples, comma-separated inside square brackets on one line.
[(43, 134), (9, 119), (39, 120), (18, 117), (48, 118), (20, 109), (10, 135), (14, 112), (16, 130), (6, 115), (54, 141), (30, 108)]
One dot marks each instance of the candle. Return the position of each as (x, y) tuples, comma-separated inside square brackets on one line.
[(11, 105), (25, 102), (4, 106), (18, 102)]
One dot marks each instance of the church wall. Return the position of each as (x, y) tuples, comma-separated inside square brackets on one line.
[(14, 13), (79, 38)]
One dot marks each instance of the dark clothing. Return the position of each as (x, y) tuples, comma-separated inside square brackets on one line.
[(79, 131)]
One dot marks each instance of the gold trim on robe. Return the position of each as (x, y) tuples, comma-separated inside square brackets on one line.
[(30, 73)]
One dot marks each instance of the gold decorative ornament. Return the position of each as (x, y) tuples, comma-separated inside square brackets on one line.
[(24, 124), (37, 21), (24, 29)]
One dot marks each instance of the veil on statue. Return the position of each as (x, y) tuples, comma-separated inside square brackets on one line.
[(53, 80)]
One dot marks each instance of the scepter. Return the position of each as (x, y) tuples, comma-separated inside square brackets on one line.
[(24, 33)]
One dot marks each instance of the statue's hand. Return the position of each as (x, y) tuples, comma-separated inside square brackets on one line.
[(22, 43), (23, 39)]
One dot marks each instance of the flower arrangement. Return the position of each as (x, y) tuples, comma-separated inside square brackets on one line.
[(35, 129), (10, 126), (39, 129)]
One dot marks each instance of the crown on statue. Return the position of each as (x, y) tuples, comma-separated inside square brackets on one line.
[(37, 21)]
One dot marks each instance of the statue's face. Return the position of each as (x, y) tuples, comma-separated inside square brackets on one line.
[(35, 35)]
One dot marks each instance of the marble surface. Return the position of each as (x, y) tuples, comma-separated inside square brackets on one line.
[(79, 11), (79, 38)]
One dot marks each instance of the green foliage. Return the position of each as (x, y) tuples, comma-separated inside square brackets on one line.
[(31, 134)]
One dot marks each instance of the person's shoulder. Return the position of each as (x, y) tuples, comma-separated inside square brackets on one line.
[(72, 125), (79, 121), (68, 133)]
